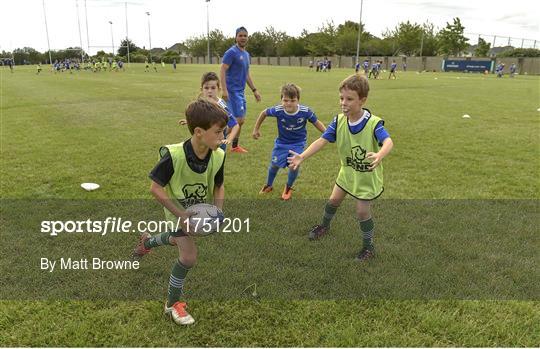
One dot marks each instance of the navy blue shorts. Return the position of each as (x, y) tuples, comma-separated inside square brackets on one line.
[(281, 152)]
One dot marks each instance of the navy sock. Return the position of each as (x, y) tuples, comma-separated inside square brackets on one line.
[(272, 172), (292, 177)]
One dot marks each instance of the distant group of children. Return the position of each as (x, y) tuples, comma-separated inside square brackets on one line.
[(499, 70), (376, 69), (324, 65), (361, 139)]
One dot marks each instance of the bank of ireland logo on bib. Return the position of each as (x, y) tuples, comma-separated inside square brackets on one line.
[(356, 160)]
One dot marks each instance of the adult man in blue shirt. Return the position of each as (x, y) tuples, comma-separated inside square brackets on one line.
[(234, 76)]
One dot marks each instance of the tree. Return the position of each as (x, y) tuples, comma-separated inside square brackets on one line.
[(520, 52), (451, 39), (259, 44), (482, 48), (407, 38), (197, 46), (122, 50), (294, 47)]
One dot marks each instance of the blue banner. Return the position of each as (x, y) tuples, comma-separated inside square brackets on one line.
[(460, 65)]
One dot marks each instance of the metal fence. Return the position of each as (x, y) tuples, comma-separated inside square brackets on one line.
[(525, 65)]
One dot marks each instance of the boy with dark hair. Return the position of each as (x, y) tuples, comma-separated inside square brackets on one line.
[(187, 173)]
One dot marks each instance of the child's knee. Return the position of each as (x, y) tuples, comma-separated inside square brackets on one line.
[(363, 211), (188, 260)]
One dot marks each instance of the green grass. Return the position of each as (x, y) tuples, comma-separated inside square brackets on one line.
[(456, 226)]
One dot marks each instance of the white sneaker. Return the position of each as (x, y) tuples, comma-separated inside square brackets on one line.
[(179, 314)]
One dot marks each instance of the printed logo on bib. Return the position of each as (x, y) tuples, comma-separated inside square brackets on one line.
[(193, 194), (356, 161)]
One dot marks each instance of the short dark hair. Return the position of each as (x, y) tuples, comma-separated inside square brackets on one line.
[(210, 76), (205, 114), (356, 82), (291, 91)]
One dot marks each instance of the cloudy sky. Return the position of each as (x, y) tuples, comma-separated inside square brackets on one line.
[(171, 21)]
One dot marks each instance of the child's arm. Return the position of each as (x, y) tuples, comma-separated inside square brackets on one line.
[(319, 126), (219, 196), (256, 133), (161, 196), (296, 159), (377, 157), (232, 135)]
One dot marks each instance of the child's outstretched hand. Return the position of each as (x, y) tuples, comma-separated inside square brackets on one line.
[(182, 122), (375, 158), (294, 160), (226, 141), (256, 134)]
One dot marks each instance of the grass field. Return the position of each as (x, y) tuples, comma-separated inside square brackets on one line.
[(456, 228)]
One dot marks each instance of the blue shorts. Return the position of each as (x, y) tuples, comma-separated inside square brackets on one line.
[(237, 104), (281, 152)]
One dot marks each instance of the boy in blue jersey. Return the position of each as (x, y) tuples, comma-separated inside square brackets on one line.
[(500, 70), (210, 89), (512, 70), (291, 118), (393, 67), (362, 142), (366, 67), (373, 71), (234, 76)]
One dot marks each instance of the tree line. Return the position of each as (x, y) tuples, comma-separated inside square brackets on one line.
[(408, 39)]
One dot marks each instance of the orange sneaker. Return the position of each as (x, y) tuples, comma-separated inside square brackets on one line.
[(238, 149), (266, 189), (179, 314), (287, 193), (139, 251)]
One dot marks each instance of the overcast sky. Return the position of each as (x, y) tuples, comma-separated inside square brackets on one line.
[(171, 21)]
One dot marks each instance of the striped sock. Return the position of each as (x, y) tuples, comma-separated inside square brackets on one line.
[(176, 282), (366, 227), (158, 240), (329, 212)]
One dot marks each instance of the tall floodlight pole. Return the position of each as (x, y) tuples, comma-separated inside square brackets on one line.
[(112, 38), (359, 33), (208, 30), (47, 32), (79, 23), (149, 36), (87, 34), (127, 36), (422, 51)]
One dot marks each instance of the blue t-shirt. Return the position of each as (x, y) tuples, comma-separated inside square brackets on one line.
[(232, 120), (380, 132), (291, 127), (238, 62), (393, 66)]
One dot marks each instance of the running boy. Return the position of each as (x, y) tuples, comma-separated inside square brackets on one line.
[(291, 120), (187, 173), (362, 143), (393, 70), (210, 89)]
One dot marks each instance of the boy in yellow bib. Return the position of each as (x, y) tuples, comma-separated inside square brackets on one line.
[(362, 142), (187, 173)]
